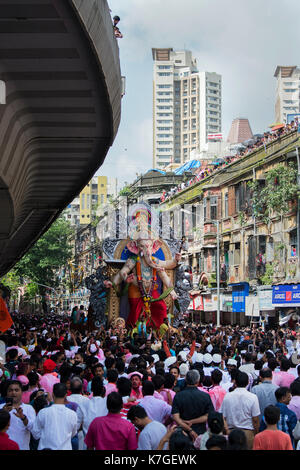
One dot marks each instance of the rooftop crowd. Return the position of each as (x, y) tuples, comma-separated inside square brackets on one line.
[(254, 145), (187, 388)]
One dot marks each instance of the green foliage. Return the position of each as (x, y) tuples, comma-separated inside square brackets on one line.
[(280, 188), (32, 289), (50, 252), (267, 278), (125, 191), (12, 280)]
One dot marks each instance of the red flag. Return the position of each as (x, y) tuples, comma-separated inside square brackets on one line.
[(5, 318)]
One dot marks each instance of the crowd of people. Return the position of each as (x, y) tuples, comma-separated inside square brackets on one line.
[(255, 144), (192, 388)]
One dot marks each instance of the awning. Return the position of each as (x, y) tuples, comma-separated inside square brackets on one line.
[(275, 128)]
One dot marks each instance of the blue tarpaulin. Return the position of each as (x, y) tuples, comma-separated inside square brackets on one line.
[(187, 166)]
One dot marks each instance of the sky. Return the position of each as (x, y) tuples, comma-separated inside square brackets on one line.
[(243, 40)]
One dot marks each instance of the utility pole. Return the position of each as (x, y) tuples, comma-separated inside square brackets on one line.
[(218, 273)]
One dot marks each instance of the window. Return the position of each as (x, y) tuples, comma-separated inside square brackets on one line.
[(213, 208), (236, 256), (164, 74), (226, 205), (204, 209), (164, 67), (83, 201)]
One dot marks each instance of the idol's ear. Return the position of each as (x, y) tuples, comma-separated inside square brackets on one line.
[(133, 247), (156, 246)]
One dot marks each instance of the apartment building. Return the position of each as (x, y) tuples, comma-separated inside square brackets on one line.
[(97, 192), (187, 106)]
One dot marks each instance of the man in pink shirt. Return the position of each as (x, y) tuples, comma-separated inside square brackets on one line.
[(112, 377), (111, 432), (50, 377), (283, 378), (217, 393)]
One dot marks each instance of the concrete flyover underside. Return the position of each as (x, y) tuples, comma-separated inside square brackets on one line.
[(60, 62)]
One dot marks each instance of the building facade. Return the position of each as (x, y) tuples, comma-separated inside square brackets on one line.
[(187, 106), (219, 211), (97, 192), (287, 99)]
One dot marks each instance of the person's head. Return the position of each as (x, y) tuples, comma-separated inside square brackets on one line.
[(97, 387), (78, 358), (98, 370), (76, 385), (110, 362), (192, 378), (148, 388), (285, 364), (216, 376), (237, 440), (265, 374), (112, 376), (283, 395), (241, 379), (114, 402), (124, 386), (158, 382), (216, 442), (33, 379), (248, 357), (12, 355), (138, 416), (215, 422), (272, 414), (59, 391), (169, 381), (136, 381), (295, 388), (14, 391), (272, 363), (4, 420), (180, 440)]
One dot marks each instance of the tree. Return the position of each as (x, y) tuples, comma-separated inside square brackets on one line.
[(280, 188), (49, 253)]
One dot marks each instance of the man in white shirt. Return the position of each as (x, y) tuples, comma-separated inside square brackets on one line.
[(22, 416), (241, 410), (249, 367), (96, 406), (151, 431), (56, 425), (82, 401)]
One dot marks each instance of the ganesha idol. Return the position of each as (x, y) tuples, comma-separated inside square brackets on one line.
[(141, 271)]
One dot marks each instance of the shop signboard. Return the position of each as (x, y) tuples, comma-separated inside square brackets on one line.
[(286, 295)]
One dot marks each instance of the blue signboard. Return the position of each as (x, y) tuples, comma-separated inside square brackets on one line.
[(239, 293), (286, 295)]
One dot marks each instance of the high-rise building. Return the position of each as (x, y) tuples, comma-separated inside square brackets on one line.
[(187, 106), (287, 92), (95, 193)]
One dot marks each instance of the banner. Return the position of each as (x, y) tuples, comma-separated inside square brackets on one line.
[(265, 299), (196, 303), (252, 306), (210, 303)]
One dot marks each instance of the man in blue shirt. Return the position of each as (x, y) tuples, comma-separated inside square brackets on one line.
[(288, 418)]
